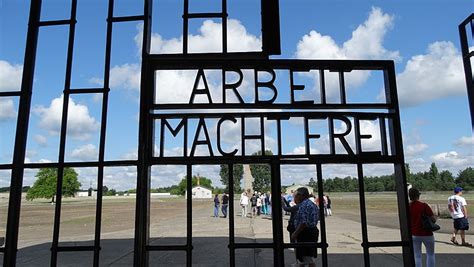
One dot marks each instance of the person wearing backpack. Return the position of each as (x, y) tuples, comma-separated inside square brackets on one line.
[(420, 235), (253, 202)]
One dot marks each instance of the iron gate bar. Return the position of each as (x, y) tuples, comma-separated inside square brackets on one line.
[(277, 221), (57, 22), (189, 215), (88, 91), (103, 128), (145, 147), (396, 144), (62, 139), (19, 152), (363, 215), (231, 246), (322, 86), (125, 18), (322, 222), (75, 248), (270, 10), (5, 94), (210, 56), (110, 163), (466, 59)]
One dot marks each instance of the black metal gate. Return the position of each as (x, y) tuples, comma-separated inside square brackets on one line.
[(153, 113)]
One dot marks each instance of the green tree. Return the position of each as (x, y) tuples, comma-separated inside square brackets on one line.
[(238, 174), (313, 184), (261, 173), (465, 179), (45, 185)]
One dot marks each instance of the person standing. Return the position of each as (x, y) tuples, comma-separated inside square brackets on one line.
[(328, 206), (457, 207), (244, 202), (216, 205), (259, 205), (419, 235), (264, 203), (306, 230), (253, 202), (225, 204)]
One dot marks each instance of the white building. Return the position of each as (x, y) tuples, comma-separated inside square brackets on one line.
[(200, 192)]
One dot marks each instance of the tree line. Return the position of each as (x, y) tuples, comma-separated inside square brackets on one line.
[(431, 180)]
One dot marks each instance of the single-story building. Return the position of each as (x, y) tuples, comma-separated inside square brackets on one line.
[(200, 192)]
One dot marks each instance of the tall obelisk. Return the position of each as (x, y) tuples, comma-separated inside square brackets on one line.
[(248, 179)]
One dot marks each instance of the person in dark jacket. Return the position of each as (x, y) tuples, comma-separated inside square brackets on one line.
[(225, 204), (216, 206)]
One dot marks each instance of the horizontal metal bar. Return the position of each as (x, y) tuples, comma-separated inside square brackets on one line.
[(470, 54), (75, 248), (126, 18), (273, 106), (204, 15), (206, 61), (208, 56), (285, 159), (16, 93), (82, 164), (6, 166), (56, 22), (253, 245), (305, 244), (169, 247), (386, 244), (467, 20), (88, 91), (275, 115)]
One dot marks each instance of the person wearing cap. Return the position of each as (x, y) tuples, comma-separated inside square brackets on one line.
[(457, 207)]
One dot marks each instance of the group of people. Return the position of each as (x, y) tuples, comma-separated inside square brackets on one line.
[(260, 203), (420, 235)]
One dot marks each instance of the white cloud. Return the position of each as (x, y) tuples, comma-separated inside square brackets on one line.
[(126, 76), (10, 76), (41, 140), (80, 123), (208, 39), (7, 109), (415, 149), (465, 141), (86, 152), (434, 75), (366, 43), (453, 160)]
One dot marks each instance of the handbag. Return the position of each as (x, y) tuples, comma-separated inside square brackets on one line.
[(428, 224)]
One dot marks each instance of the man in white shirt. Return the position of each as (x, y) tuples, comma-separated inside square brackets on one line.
[(244, 202), (457, 207)]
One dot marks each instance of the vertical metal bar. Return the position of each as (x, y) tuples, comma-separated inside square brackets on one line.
[(396, 143), (243, 134), (62, 141), (224, 26), (322, 222), (185, 26), (19, 152), (277, 223), (262, 132), (279, 138), (467, 65), (342, 87), (383, 136), (189, 215), (145, 146), (306, 139), (231, 215), (270, 27), (358, 142), (105, 101), (363, 215), (322, 86)]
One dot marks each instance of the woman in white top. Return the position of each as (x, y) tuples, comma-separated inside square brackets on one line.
[(244, 202)]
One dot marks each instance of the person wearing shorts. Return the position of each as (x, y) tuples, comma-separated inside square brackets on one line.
[(457, 207)]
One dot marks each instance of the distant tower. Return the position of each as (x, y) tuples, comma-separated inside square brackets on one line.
[(248, 179)]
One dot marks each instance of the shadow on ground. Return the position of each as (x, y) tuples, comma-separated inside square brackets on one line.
[(208, 251)]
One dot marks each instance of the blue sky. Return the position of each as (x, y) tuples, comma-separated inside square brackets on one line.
[(421, 36)]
